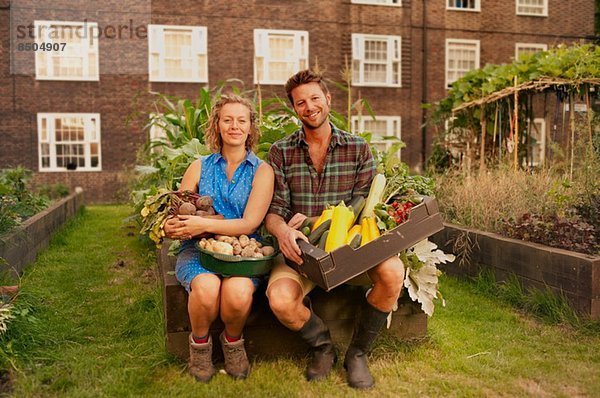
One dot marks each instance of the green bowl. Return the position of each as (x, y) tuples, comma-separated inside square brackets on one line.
[(227, 265)]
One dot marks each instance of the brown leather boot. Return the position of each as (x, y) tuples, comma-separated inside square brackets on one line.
[(200, 365), (236, 360)]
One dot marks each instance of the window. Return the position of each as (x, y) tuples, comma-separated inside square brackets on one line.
[(177, 54), (463, 5), (376, 60), (537, 8), (379, 2), (69, 141), (74, 54), (157, 133), (278, 54), (455, 138), (537, 142), (528, 48), (382, 126), (461, 57)]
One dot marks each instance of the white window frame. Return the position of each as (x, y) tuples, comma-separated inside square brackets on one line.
[(89, 47), (392, 3), (394, 128), (541, 143), (477, 7), (522, 46), (394, 55), (448, 84), (543, 14), (156, 133), (88, 140), (261, 51), (156, 45)]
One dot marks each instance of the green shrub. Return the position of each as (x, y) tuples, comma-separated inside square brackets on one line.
[(53, 191), (17, 202)]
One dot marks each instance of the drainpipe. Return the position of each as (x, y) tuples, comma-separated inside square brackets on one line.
[(424, 85)]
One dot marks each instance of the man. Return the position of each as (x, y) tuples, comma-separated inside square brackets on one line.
[(317, 165)]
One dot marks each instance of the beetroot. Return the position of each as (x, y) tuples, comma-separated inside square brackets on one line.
[(204, 202), (187, 208)]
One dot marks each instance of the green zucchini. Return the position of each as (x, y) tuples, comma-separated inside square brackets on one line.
[(357, 204), (323, 240), (305, 230), (315, 235), (308, 222), (355, 242)]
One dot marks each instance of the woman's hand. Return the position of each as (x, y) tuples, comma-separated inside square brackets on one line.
[(184, 227), (170, 226), (192, 225)]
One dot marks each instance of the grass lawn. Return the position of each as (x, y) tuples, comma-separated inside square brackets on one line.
[(89, 324)]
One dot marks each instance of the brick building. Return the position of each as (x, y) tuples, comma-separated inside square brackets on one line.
[(73, 115)]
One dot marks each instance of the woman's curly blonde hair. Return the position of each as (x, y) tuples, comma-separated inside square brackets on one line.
[(213, 137)]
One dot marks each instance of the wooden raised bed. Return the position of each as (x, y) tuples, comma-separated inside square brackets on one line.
[(575, 275), (20, 247), (264, 334)]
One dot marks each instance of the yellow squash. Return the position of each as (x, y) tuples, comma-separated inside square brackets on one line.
[(325, 215), (366, 236), (340, 222)]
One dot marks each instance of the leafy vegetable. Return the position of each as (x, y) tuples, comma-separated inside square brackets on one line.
[(401, 183), (157, 208), (421, 279)]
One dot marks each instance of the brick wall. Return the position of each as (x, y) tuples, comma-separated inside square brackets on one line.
[(120, 97)]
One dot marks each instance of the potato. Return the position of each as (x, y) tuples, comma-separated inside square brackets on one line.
[(237, 249), (244, 240), (248, 251), (267, 251), (222, 248), (258, 255)]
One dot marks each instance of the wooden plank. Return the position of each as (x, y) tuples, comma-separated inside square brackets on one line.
[(265, 335), (575, 275), (274, 340)]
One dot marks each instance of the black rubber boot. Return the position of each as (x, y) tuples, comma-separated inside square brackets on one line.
[(316, 334), (366, 330)]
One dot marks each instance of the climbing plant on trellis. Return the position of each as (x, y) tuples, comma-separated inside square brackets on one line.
[(491, 109)]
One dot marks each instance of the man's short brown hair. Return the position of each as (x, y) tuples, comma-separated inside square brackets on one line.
[(304, 77)]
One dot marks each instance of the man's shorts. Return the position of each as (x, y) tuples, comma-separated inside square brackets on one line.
[(282, 271)]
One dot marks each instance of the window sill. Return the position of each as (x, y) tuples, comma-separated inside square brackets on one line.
[(69, 79), (384, 85)]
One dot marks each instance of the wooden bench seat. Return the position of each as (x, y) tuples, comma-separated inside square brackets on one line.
[(264, 334)]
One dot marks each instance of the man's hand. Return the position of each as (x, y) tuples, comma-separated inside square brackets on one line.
[(287, 243), (297, 220), (287, 234)]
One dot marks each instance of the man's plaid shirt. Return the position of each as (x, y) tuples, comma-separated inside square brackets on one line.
[(349, 169)]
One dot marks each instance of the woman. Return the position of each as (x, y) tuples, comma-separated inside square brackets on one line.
[(241, 186)]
